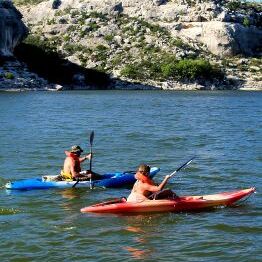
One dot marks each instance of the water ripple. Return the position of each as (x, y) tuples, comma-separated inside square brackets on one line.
[(164, 129)]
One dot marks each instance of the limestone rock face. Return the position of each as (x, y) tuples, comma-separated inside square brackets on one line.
[(12, 29), (209, 22), (248, 39), (225, 39)]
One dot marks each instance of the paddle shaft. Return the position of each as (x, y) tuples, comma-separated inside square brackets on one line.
[(91, 152), (91, 139), (184, 165), (153, 195)]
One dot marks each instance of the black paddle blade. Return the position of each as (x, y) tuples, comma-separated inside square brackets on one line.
[(92, 137), (184, 165), (187, 163), (75, 183)]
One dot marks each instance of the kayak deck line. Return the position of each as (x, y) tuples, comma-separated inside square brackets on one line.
[(177, 204)]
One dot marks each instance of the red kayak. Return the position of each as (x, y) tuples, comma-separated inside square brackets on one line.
[(177, 204)]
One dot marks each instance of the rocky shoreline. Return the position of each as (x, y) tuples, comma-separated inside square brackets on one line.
[(156, 45), (22, 79), (38, 84)]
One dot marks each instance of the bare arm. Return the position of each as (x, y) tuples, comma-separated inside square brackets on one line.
[(156, 188), (82, 159)]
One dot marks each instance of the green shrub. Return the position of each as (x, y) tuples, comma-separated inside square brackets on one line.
[(27, 2), (101, 48), (69, 48), (9, 75), (225, 62), (82, 33), (234, 5), (180, 43), (100, 53), (167, 70), (101, 68), (116, 61), (58, 13), (93, 26), (109, 38), (49, 45), (96, 14), (190, 69), (132, 71), (51, 21), (72, 48), (256, 62), (246, 22), (66, 38), (167, 58), (154, 28), (83, 59)]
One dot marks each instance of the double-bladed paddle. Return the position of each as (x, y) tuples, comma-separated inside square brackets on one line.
[(91, 139)]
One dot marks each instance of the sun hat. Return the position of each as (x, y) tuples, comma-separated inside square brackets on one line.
[(76, 149)]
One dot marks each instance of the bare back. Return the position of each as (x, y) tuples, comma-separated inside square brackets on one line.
[(70, 167)]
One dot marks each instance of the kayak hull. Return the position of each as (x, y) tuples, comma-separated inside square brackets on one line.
[(109, 180), (178, 204)]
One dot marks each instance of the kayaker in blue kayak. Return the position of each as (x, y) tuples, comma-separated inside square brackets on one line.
[(72, 166), (144, 188)]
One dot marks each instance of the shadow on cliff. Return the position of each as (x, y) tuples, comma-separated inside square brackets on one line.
[(57, 70)]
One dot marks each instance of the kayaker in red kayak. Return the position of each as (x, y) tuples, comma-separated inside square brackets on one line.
[(144, 186), (72, 166)]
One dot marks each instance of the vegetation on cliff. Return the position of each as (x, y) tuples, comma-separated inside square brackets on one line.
[(137, 49), (27, 2), (140, 49)]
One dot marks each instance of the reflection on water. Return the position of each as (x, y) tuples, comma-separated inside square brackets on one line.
[(142, 228), (71, 193), (137, 253), (2, 182), (140, 240), (8, 211), (134, 229)]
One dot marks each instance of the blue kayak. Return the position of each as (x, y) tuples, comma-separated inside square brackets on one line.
[(109, 180)]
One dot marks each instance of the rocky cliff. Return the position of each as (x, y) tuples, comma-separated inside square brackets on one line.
[(178, 44), (225, 29), (14, 74), (12, 29)]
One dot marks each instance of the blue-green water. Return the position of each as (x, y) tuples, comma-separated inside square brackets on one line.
[(223, 129)]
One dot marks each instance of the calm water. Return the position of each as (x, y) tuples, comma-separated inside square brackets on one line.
[(165, 129)]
